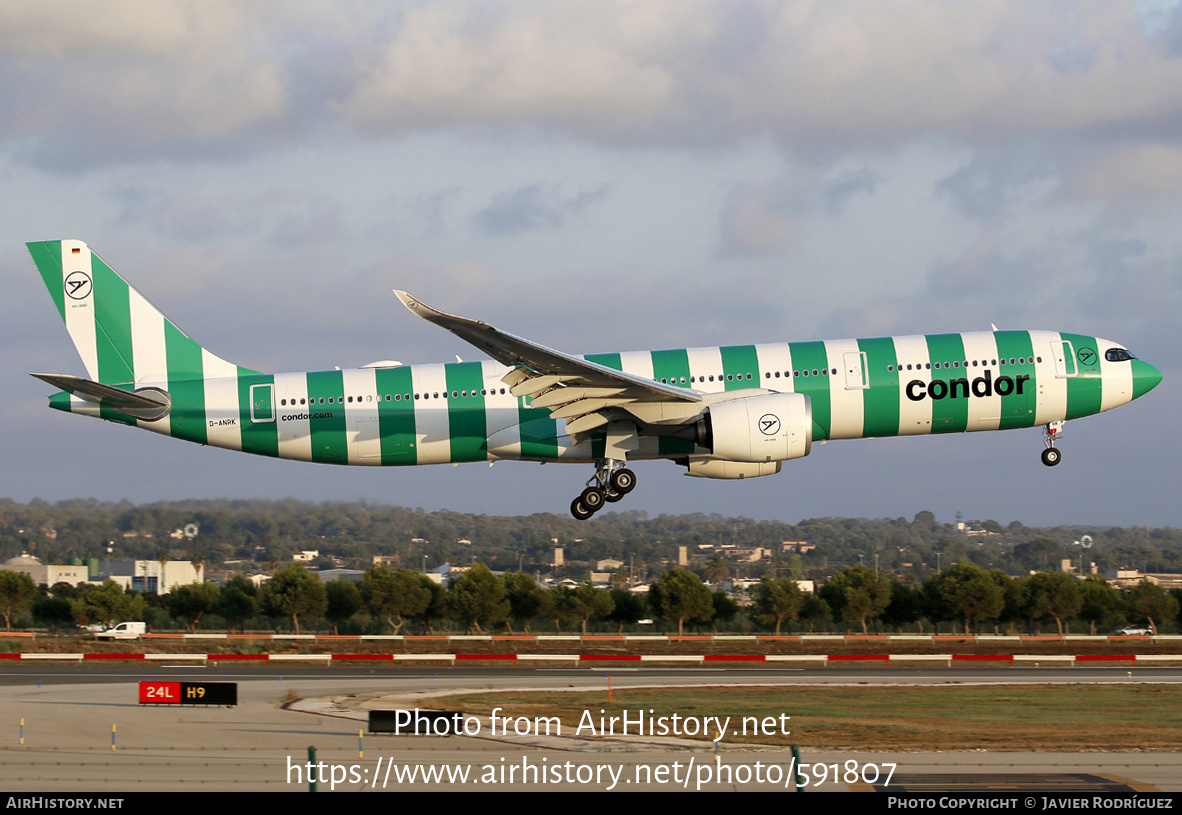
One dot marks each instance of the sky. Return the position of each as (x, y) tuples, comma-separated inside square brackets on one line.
[(601, 176)]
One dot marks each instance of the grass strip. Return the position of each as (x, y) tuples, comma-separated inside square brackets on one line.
[(984, 717)]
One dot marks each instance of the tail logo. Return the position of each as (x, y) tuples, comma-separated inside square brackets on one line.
[(78, 286)]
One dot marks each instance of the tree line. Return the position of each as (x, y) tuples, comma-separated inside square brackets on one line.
[(251, 535), (962, 598)]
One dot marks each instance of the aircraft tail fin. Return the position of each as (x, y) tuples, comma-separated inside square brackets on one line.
[(122, 338)]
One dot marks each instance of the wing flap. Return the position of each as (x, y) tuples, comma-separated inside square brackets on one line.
[(564, 396)]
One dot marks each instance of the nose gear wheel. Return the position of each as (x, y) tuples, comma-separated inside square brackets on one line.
[(1052, 456)]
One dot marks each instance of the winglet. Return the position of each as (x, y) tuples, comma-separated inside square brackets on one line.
[(436, 316)]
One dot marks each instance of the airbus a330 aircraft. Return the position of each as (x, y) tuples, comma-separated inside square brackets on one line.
[(734, 412)]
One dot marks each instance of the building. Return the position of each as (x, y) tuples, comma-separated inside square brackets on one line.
[(150, 575), (43, 573)]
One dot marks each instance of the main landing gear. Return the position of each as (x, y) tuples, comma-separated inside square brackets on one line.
[(611, 482), (1051, 456)]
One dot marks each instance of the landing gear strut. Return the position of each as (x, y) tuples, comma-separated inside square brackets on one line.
[(1051, 456), (611, 482)]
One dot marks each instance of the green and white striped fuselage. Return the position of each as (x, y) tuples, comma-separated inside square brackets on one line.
[(731, 412), (434, 414)]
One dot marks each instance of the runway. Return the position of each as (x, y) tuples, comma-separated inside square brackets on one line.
[(69, 712)]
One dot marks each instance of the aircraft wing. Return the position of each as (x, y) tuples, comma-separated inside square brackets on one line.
[(573, 388)]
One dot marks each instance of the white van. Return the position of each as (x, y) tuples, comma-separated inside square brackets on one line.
[(123, 631)]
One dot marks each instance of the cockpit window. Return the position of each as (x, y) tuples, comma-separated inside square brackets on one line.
[(1118, 355)]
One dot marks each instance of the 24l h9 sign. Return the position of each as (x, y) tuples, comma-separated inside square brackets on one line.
[(188, 693)]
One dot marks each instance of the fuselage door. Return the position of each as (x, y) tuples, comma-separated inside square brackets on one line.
[(856, 371), (262, 403), (1065, 363)]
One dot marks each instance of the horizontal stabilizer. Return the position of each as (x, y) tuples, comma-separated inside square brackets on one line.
[(149, 404)]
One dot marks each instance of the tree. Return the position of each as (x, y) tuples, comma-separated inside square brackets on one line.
[(17, 592), (681, 596), (1100, 601), (717, 570), (163, 557), (294, 591), (969, 593), (477, 597), (435, 608), (588, 602), (527, 600), (558, 606), (906, 606), (815, 610), (628, 608), (1040, 552), (344, 600), (725, 608), (1014, 592), (1150, 601), (238, 601), (394, 593), (777, 600), (190, 603), (855, 593), (1053, 594), (109, 604), (54, 611)]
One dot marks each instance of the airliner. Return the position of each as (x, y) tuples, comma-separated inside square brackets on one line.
[(729, 413)]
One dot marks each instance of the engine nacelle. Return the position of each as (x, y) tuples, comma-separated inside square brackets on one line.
[(717, 468), (761, 429)]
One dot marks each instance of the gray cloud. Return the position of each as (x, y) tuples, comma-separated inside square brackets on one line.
[(294, 218), (219, 79), (535, 207), (762, 219), (987, 186)]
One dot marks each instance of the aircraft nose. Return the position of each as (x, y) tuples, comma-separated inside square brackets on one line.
[(1145, 377)]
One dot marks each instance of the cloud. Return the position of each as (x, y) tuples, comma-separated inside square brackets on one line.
[(90, 85), (196, 214), (837, 191), (221, 79), (579, 66), (754, 222), (810, 75), (316, 220), (1147, 172), (433, 208), (535, 207), (766, 218)]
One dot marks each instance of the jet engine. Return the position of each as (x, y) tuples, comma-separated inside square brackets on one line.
[(760, 429)]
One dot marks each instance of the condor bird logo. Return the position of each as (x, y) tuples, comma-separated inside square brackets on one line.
[(78, 286), (769, 424)]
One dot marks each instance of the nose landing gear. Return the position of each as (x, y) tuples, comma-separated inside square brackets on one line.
[(611, 482), (1051, 456)]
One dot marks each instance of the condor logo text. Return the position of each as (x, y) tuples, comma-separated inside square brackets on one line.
[(984, 385)]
